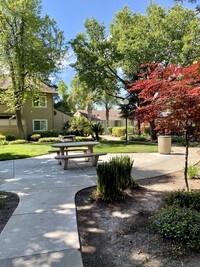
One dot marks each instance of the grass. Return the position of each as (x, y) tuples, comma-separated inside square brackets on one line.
[(122, 147), (8, 152)]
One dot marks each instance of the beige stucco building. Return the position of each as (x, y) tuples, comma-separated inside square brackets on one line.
[(38, 113)]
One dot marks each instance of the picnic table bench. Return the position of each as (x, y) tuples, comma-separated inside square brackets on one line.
[(94, 158), (68, 150)]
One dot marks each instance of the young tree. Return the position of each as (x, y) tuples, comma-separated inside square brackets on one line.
[(171, 98), (31, 48)]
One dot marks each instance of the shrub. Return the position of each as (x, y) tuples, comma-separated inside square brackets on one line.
[(50, 133), (3, 142), (109, 129), (2, 137), (181, 225), (82, 138), (120, 131), (18, 141), (113, 177), (184, 199), (49, 139), (178, 139), (10, 137), (136, 138), (107, 184), (35, 137), (193, 171)]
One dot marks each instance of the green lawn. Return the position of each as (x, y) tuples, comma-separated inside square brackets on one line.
[(121, 147), (8, 152)]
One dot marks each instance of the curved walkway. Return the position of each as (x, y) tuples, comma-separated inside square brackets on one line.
[(43, 231)]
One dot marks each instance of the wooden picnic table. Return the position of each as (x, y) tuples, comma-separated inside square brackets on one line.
[(65, 145)]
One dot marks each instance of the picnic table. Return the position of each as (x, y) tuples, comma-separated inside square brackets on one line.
[(86, 147), (69, 136)]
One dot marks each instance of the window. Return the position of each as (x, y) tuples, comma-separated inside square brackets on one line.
[(40, 102), (39, 125)]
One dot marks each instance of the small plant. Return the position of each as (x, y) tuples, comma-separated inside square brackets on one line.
[(113, 178), (35, 137), (97, 128), (193, 171), (181, 225), (10, 137), (2, 137)]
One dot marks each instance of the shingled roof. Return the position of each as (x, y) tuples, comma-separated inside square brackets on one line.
[(6, 82), (100, 115)]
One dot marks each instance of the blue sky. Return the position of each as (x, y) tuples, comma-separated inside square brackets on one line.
[(71, 14)]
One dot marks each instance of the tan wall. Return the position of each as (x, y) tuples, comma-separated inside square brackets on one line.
[(60, 119), (31, 113), (9, 126)]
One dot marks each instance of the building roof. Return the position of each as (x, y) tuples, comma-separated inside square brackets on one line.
[(100, 115), (6, 82)]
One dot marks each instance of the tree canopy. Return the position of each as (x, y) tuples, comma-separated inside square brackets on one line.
[(31, 49), (170, 97)]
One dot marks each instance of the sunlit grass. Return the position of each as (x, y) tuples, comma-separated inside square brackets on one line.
[(122, 147), (8, 152)]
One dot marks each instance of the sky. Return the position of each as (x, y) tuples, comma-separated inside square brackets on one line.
[(71, 14)]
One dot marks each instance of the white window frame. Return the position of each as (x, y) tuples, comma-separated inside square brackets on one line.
[(41, 120), (40, 106)]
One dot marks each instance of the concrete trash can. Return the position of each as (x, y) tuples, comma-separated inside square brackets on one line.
[(164, 144)]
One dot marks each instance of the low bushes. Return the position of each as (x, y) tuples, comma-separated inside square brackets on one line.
[(179, 221), (137, 138), (18, 141), (181, 225), (120, 131), (49, 139), (113, 178)]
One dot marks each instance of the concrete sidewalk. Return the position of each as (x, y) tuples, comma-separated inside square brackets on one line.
[(43, 230)]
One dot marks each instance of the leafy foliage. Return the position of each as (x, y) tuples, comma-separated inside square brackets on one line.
[(181, 225), (193, 171), (184, 199), (97, 128), (113, 177)]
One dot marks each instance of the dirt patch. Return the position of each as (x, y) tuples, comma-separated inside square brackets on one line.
[(118, 235), (8, 203)]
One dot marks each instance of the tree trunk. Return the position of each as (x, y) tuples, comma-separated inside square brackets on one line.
[(152, 131), (186, 160), (107, 119), (139, 127), (19, 124)]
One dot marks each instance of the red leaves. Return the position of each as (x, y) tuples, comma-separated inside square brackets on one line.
[(170, 95)]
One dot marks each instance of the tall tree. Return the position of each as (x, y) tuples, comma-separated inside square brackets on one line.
[(31, 48), (171, 98), (160, 35), (96, 55)]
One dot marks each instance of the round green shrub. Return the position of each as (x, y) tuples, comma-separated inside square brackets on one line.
[(2, 137), (35, 137), (10, 137), (181, 225)]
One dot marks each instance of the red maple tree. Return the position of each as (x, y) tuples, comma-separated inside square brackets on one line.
[(170, 97)]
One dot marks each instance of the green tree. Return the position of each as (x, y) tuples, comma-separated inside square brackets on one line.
[(79, 124), (62, 100), (82, 96), (158, 36), (96, 56), (31, 48)]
